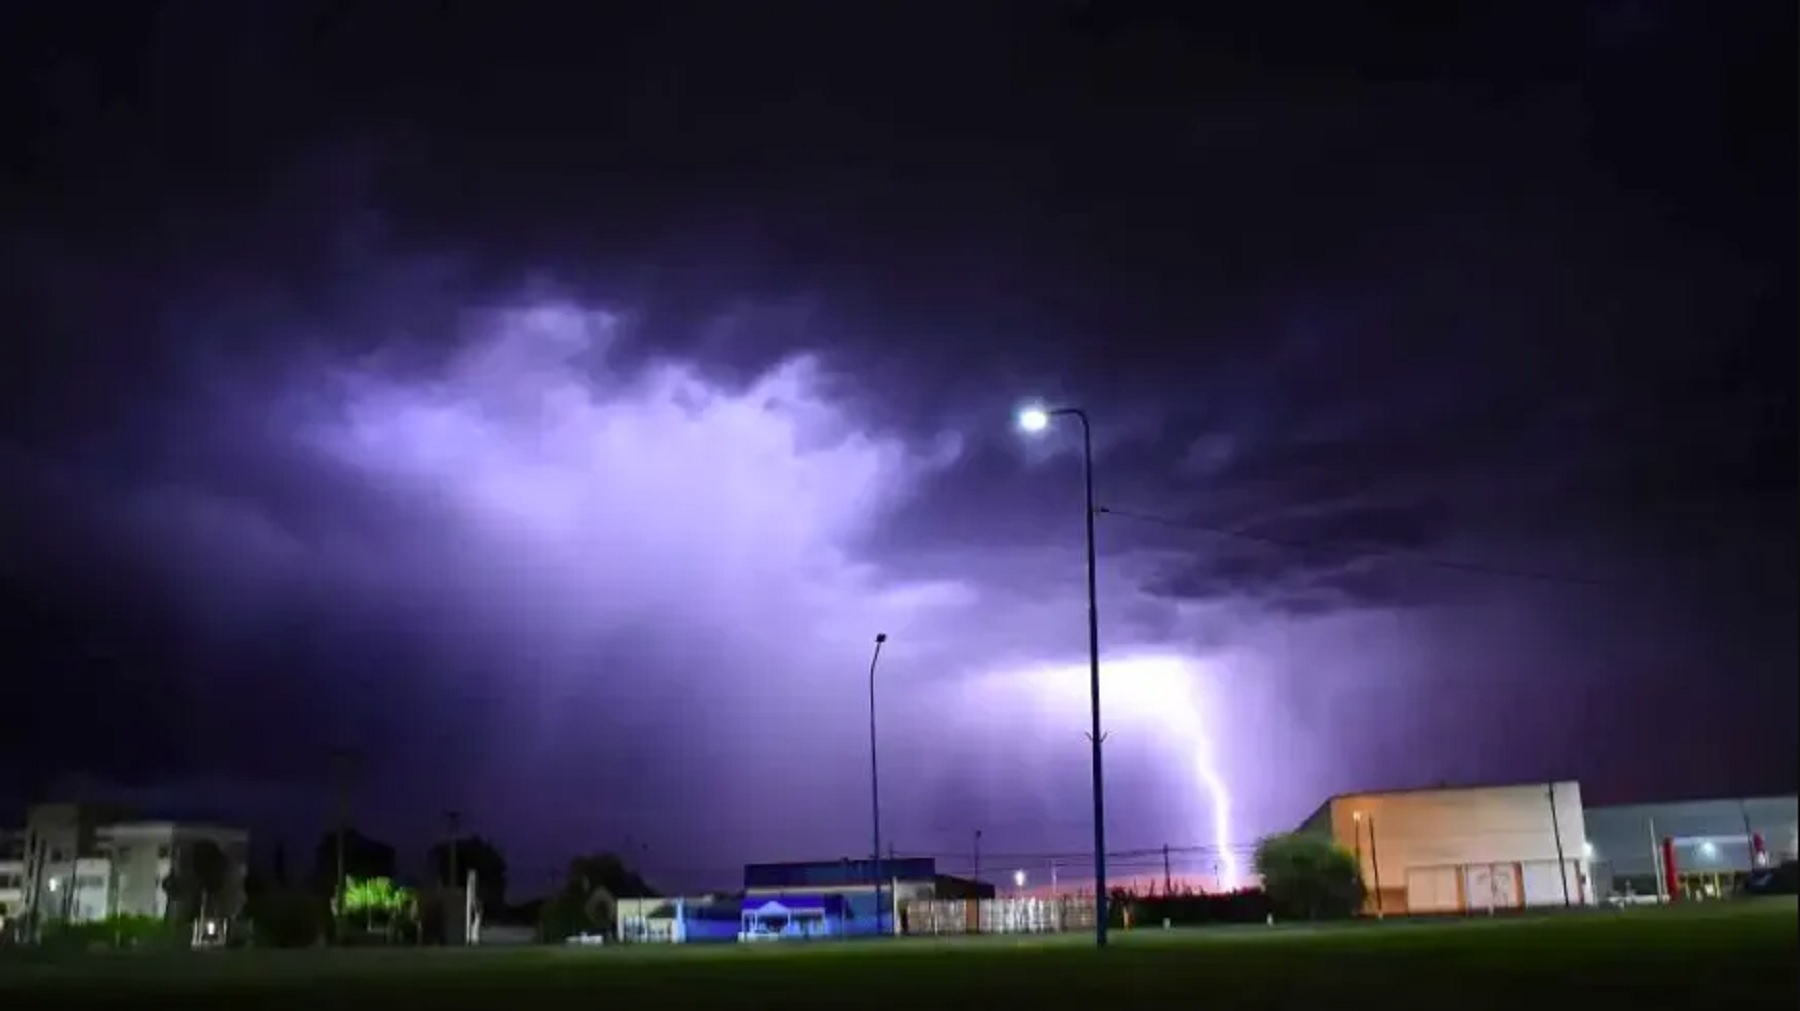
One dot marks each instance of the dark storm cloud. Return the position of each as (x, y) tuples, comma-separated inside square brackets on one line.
[(452, 429), (1354, 574)]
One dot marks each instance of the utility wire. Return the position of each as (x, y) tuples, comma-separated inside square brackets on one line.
[(1389, 554)]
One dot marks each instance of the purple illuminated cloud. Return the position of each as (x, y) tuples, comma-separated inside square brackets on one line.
[(659, 588), (635, 599)]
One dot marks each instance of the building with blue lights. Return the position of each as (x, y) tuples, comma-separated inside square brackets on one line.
[(838, 898)]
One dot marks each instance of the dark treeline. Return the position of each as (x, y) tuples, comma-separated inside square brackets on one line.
[(354, 894), (1190, 909)]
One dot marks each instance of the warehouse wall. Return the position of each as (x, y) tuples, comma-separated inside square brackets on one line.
[(1464, 850), (1709, 835)]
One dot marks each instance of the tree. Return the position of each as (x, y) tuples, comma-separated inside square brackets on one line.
[(220, 898), (1309, 876), (203, 885), (606, 870), (378, 902), (473, 853), (364, 857), (563, 916), (183, 893), (588, 900)]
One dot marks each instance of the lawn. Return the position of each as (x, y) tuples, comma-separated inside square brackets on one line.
[(1739, 956)]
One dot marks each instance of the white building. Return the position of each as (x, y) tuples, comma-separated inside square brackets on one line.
[(1464, 850), (83, 862)]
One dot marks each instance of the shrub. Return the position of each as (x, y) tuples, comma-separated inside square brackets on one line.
[(1309, 877), (115, 932)]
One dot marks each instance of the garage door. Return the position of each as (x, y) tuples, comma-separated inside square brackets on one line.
[(1432, 890), (1544, 887), (1494, 886)]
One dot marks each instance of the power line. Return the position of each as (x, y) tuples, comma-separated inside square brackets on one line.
[(1390, 555)]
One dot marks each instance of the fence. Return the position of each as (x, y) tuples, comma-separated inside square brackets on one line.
[(997, 916)]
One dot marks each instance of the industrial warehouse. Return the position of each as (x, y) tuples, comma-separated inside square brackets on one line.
[(1689, 850), (1492, 848), (1461, 850)]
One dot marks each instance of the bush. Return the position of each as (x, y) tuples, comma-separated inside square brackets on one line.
[(1309, 877), (1200, 908), (565, 915), (115, 932)]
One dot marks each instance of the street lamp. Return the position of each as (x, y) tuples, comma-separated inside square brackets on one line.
[(1037, 419), (1374, 855), (875, 781), (1018, 879)]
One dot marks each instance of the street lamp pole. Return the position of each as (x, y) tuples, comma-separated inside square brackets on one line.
[(875, 781), (1036, 420), (1375, 866)]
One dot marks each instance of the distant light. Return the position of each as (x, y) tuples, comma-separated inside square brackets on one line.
[(1587, 850), (1018, 879), (1707, 849), (212, 927), (54, 883), (1356, 816), (1034, 419)]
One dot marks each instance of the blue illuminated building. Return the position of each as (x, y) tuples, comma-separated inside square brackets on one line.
[(837, 898)]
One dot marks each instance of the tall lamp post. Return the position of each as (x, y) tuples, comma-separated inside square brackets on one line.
[(1036, 419), (875, 781), (1356, 818), (1374, 859)]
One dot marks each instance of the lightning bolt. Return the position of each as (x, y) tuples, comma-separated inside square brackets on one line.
[(1214, 786), (1160, 691), (1185, 717)]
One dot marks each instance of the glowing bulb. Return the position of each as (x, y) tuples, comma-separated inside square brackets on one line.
[(1034, 419), (1018, 879)]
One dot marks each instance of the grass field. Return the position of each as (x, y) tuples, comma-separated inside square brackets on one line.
[(1738, 956)]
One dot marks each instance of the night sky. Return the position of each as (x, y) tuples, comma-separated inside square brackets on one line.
[(549, 406)]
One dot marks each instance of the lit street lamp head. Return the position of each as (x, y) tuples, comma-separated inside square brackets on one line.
[(1036, 418)]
